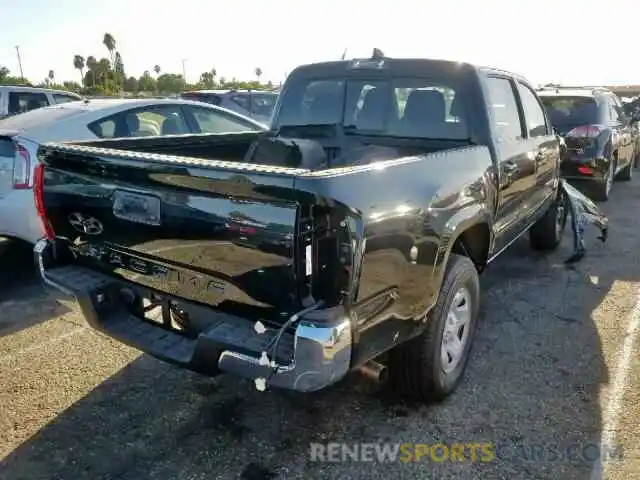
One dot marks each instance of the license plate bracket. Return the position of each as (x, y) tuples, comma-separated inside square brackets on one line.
[(136, 207)]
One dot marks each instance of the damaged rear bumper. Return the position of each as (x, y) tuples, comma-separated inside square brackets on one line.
[(314, 354)]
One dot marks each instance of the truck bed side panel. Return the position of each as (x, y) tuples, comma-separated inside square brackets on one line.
[(409, 209)]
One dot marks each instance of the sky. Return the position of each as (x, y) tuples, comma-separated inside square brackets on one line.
[(566, 41)]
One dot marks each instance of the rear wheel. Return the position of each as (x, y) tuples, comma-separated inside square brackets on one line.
[(626, 174), (430, 366), (547, 232), (602, 189)]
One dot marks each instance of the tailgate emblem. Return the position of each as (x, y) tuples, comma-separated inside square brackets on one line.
[(85, 224)]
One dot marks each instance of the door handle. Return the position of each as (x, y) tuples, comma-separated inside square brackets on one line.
[(510, 168)]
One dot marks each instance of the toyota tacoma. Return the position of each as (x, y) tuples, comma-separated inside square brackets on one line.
[(350, 236)]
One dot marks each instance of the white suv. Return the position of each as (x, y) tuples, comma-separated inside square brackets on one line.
[(14, 99)]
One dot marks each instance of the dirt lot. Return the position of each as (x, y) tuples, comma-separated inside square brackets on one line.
[(555, 366)]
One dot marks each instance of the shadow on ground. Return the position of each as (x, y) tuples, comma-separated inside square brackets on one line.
[(531, 388), (23, 299)]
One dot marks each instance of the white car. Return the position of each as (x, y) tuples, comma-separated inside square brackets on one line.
[(21, 135), (16, 99)]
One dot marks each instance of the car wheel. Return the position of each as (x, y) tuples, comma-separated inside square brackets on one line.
[(626, 174), (602, 189), (547, 232), (430, 366)]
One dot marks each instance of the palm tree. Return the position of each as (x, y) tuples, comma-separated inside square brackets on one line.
[(78, 62), (109, 42), (258, 72), (51, 77), (91, 65), (214, 74), (157, 70)]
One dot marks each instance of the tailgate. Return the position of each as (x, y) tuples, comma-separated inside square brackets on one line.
[(210, 235)]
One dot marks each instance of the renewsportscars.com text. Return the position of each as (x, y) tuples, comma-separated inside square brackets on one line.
[(482, 452)]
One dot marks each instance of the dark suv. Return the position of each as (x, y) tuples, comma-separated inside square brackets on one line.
[(256, 104), (600, 139)]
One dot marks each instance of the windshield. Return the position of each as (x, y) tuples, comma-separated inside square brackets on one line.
[(569, 112), (397, 107)]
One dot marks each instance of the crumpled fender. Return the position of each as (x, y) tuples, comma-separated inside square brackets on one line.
[(582, 211)]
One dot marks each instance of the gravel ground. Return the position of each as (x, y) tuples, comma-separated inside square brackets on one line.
[(544, 375)]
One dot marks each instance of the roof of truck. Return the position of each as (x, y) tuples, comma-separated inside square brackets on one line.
[(405, 66)]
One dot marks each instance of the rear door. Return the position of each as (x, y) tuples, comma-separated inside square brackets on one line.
[(542, 147), (517, 172)]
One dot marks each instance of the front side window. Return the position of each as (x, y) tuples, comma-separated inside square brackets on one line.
[(20, 102), (396, 107), (152, 121)]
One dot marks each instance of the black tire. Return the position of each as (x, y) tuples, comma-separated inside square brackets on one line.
[(626, 174), (546, 234), (602, 189), (415, 368)]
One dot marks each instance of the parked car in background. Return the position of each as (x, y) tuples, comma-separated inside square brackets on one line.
[(257, 104), (600, 138), (21, 135), (15, 99)]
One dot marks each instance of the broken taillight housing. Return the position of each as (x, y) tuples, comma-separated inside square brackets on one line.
[(21, 168), (38, 194)]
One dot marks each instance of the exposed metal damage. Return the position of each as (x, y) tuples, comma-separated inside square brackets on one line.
[(582, 211)]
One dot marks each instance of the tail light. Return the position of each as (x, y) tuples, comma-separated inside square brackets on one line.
[(38, 193), (585, 170), (21, 168), (586, 131)]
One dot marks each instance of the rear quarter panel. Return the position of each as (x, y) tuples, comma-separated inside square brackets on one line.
[(408, 213)]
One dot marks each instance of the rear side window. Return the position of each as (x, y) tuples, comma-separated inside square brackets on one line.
[(504, 109), (533, 112), (20, 102), (570, 112), (151, 121)]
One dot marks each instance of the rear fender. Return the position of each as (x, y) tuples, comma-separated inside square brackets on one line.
[(468, 217)]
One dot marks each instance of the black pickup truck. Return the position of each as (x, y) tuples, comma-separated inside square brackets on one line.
[(348, 237)]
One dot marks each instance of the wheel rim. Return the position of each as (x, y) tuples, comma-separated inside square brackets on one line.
[(609, 180), (456, 330)]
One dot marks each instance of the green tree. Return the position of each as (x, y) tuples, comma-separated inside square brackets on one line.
[(258, 72), (91, 65), (206, 80), (147, 83), (110, 43), (131, 84), (171, 83), (119, 74), (157, 70), (78, 63)]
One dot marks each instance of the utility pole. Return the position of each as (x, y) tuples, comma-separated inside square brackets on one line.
[(19, 62)]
